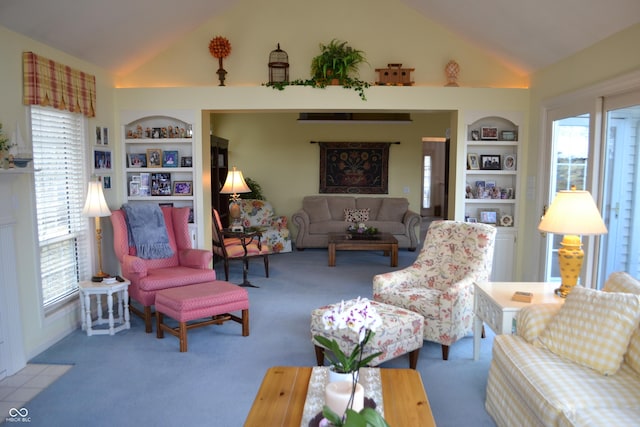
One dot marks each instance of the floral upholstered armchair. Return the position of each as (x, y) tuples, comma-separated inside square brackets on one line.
[(259, 213), (439, 284)]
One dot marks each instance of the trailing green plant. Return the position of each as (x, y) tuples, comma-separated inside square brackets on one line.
[(337, 60), (256, 190)]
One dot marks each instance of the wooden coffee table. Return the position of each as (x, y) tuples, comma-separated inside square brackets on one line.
[(382, 242), (281, 397)]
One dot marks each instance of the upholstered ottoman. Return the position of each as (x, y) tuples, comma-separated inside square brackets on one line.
[(211, 299), (401, 332)]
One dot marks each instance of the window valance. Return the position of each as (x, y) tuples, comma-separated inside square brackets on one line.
[(49, 83)]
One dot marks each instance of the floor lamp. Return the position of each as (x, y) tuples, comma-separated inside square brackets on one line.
[(96, 207), (233, 185), (572, 213)]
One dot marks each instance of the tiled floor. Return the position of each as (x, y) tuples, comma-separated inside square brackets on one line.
[(17, 390)]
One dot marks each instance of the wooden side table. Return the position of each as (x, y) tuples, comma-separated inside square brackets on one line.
[(492, 305), (116, 324)]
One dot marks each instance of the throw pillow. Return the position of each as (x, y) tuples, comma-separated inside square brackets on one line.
[(356, 215), (593, 328), (621, 281)]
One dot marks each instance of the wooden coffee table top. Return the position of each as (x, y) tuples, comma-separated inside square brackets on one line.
[(385, 238), (281, 397)]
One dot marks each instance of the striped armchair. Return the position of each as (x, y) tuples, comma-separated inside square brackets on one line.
[(439, 284)]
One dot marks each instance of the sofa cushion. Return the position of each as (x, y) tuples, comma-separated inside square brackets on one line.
[(624, 282), (317, 208), (356, 215), (550, 385), (338, 204), (371, 203), (532, 320), (593, 328), (393, 209)]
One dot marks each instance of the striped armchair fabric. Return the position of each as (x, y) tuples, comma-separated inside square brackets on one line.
[(439, 284)]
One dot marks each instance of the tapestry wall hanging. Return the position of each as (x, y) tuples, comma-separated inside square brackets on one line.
[(354, 167)]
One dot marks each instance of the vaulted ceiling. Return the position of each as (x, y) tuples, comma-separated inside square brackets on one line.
[(113, 34)]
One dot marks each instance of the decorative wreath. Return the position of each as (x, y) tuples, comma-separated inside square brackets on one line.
[(219, 47)]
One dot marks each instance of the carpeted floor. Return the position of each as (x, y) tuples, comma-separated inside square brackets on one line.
[(135, 379)]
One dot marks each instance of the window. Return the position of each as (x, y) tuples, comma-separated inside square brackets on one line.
[(63, 235)]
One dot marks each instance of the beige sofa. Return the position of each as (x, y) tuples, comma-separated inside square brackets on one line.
[(321, 215), (543, 377)]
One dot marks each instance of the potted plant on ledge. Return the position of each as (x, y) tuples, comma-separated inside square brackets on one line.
[(336, 64)]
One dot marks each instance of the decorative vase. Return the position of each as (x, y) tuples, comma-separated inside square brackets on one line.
[(338, 394), (452, 69), (339, 376)]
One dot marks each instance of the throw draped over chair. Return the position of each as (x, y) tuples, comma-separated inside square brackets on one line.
[(233, 248), (439, 284), (186, 266)]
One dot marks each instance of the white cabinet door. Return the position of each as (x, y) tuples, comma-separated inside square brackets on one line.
[(504, 255)]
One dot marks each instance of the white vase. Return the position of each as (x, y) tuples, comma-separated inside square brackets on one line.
[(339, 376), (338, 394)]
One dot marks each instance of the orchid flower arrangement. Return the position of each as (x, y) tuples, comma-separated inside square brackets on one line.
[(360, 317)]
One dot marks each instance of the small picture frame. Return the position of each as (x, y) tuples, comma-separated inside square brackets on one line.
[(509, 162), (489, 216), (186, 161), (475, 135), (509, 135), (154, 157), (472, 161), (169, 159), (488, 133), (490, 162), (472, 219), (137, 160), (183, 188), (105, 136), (102, 160), (156, 133), (98, 135), (106, 182), (134, 188)]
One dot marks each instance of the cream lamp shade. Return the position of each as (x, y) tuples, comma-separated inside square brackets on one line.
[(572, 213), (233, 185), (96, 207)]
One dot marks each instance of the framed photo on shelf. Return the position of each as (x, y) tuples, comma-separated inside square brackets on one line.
[(137, 160), (488, 216), (472, 161), (490, 162), (169, 159), (509, 163), (154, 157), (489, 133), (161, 184), (183, 188), (475, 135), (472, 219), (186, 161), (102, 160)]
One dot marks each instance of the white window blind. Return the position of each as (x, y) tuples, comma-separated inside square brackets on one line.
[(59, 158)]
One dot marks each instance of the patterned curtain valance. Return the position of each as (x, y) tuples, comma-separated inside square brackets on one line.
[(49, 83)]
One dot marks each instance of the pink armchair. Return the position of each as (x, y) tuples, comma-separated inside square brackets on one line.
[(187, 266), (439, 284)]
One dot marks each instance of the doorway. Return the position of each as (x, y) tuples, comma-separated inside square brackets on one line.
[(435, 178)]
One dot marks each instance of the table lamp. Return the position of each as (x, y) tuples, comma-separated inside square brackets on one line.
[(233, 185), (96, 207), (572, 213)]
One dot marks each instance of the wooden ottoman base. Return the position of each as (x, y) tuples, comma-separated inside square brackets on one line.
[(401, 333), (212, 302)]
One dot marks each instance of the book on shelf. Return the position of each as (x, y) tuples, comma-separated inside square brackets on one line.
[(522, 296)]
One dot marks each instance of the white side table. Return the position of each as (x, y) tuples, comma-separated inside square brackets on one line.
[(117, 324), (492, 305)]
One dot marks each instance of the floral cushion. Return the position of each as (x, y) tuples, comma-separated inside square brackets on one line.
[(401, 332), (275, 233)]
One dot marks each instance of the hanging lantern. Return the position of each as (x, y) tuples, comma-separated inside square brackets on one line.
[(278, 66)]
